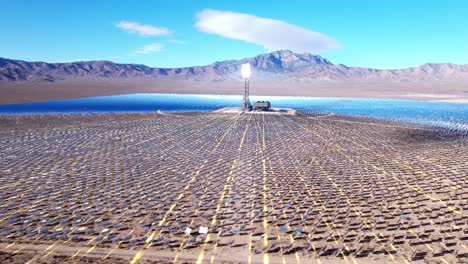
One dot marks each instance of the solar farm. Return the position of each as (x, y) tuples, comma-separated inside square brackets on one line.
[(222, 188)]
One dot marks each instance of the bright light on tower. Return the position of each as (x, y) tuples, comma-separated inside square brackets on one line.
[(245, 71)]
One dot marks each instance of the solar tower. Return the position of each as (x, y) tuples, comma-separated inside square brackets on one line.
[(245, 71)]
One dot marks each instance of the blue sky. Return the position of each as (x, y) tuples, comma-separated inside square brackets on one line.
[(378, 34)]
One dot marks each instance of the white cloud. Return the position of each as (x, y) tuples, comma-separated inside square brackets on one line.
[(115, 57), (270, 33), (176, 41), (150, 48), (145, 50), (142, 29)]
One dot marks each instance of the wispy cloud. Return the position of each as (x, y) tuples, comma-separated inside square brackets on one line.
[(150, 48), (145, 50), (142, 29), (115, 57), (270, 33), (176, 41)]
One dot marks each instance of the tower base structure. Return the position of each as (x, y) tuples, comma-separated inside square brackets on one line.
[(246, 106)]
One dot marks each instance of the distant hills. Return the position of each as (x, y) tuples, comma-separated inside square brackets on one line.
[(281, 65)]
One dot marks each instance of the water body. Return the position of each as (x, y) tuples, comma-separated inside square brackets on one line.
[(423, 112)]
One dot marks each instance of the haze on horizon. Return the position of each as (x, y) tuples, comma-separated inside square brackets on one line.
[(385, 35)]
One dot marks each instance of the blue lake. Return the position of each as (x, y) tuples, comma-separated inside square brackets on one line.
[(424, 112)]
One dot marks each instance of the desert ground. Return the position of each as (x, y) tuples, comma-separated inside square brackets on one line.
[(31, 91), (305, 188)]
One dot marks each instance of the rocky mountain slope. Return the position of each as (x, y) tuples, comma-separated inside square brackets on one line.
[(282, 65)]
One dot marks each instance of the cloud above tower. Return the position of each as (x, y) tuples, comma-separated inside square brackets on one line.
[(270, 33)]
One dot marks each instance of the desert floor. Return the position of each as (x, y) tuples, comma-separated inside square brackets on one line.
[(17, 92)]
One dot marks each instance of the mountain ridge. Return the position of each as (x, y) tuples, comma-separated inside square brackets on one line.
[(283, 65)]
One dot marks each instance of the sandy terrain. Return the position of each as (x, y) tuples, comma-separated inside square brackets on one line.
[(270, 188), (22, 91)]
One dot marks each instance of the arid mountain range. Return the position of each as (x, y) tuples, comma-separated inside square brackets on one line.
[(282, 65), (283, 73)]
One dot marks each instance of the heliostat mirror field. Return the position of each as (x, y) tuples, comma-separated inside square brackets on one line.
[(267, 187)]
